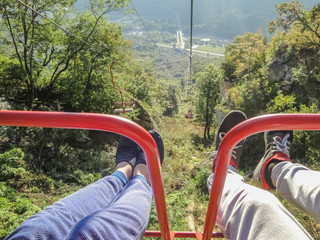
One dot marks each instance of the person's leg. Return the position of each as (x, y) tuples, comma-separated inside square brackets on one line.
[(246, 212), (55, 221), (299, 185), (296, 183), (127, 217)]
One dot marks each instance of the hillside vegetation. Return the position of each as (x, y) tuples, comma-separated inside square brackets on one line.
[(45, 68)]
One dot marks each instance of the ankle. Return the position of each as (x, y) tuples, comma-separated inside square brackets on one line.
[(125, 168), (270, 164), (142, 170), (268, 172)]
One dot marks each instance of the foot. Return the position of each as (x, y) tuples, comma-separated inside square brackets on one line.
[(141, 165), (157, 138), (277, 150), (232, 119), (127, 151)]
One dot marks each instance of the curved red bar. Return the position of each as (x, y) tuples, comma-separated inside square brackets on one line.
[(235, 135), (102, 122), (143, 138)]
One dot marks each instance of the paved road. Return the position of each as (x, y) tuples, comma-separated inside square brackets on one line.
[(194, 50)]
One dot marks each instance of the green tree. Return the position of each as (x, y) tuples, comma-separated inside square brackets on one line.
[(46, 55), (301, 36), (45, 68), (245, 66), (244, 57), (172, 106), (295, 13), (251, 97), (208, 88)]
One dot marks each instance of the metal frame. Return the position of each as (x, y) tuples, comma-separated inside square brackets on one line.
[(135, 132)]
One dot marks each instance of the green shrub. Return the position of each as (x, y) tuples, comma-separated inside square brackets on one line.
[(283, 103), (13, 172), (22, 205), (41, 181), (85, 179), (201, 178), (14, 209), (13, 158), (35, 190)]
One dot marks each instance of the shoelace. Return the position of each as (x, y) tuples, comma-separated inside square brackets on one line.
[(282, 145), (214, 154)]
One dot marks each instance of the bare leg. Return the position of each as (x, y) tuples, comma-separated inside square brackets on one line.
[(125, 168), (142, 170)]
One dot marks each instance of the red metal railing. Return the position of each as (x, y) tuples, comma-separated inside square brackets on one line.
[(102, 122), (234, 136), (142, 137)]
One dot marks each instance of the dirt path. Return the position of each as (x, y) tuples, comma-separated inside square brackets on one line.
[(190, 218)]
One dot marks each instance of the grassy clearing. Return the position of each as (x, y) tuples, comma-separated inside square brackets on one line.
[(185, 171), (211, 49)]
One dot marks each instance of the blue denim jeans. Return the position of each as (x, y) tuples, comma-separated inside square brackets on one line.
[(111, 208)]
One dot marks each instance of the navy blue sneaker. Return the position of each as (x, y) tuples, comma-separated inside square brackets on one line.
[(157, 138), (127, 151)]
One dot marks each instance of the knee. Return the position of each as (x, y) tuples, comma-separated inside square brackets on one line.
[(259, 200)]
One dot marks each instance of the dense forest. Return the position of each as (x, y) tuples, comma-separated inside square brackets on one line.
[(54, 57)]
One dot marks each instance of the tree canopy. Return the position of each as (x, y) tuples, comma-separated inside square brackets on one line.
[(50, 63)]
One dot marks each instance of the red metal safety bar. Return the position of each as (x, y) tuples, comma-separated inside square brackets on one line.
[(143, 138), (102, 122), (234, 136)]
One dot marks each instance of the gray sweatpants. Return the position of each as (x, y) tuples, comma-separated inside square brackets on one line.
[(247, 212), (299, 185)]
